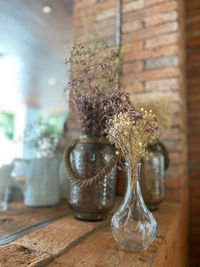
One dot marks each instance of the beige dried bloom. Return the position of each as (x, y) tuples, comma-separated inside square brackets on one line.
[(131, 132), (159, 103)]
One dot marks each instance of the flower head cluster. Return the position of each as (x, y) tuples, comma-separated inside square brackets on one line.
[(131, 132), (93, 85), (159, 103)]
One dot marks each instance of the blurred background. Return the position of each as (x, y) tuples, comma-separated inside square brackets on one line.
[(34, 37), (161, 44)]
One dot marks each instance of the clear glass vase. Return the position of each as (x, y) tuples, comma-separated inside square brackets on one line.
[(133, 226), (153, 177)]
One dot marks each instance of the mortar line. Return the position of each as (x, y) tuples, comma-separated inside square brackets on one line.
[(75, 243)]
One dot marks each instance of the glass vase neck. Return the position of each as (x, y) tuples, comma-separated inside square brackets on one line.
[(133, 190)]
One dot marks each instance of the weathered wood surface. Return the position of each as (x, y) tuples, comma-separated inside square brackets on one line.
[(19, 217)]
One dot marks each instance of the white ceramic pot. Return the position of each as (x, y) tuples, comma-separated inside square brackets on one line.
[(42, 182), (5, 178), (64, 183)]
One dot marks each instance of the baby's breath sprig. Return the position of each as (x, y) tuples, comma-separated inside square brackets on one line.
[(159, 103), (131, 132)]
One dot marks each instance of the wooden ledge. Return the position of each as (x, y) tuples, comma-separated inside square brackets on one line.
[(69, 242)]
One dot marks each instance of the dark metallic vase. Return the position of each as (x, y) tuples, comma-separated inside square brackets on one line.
[(91, 203), (153, 176)]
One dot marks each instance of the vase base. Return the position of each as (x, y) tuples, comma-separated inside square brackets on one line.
[(130, 245), (89, 217)]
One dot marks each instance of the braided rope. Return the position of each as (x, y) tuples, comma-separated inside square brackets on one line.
[(85, 182)]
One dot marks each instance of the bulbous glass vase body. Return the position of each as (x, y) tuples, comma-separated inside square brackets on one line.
[(133, 226)]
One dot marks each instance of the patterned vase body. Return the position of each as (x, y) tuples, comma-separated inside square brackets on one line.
[(93, 202)]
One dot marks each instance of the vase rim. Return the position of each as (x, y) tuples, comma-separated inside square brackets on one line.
[(92, 136), (127, 164)]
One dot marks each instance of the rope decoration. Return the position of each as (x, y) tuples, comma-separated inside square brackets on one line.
[(85, 182)]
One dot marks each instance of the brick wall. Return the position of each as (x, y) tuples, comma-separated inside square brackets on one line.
[(193, 86), (152, 37)]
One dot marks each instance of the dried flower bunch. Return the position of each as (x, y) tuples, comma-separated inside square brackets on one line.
[(43, 139), (159, 103), (131, 132), (93, 85)]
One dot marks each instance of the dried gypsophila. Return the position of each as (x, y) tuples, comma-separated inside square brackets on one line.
[(131, 132), (93, 64), (93, 85), (96, 110), (159, 103)]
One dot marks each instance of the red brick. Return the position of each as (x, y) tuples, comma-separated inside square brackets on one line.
[(193, 19), (195, 156), (172, 194), (175, 133), (20, 217), (151, 32), (84, 22), (133, 5), (175, 170), (132, 26), (55, 237), (193, 26), (152, 53), (100, 249), (175, 183), (176, 157), (83, 4), (162, 40), (178, 121), (193, 42), (92, 8), (101, 5), (154, 2), (17, 256), (135, 87), (121, 183), (161, 18), (133, 67), (107, 13), (162, 85), (194, 140), (135, 46), (174, 145), (152, 75), (144, 13), (192, 4), (193, 56)]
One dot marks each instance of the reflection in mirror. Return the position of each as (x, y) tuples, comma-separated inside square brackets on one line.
[(34, 37)]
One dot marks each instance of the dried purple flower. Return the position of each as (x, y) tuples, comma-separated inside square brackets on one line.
[(93, 86)]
